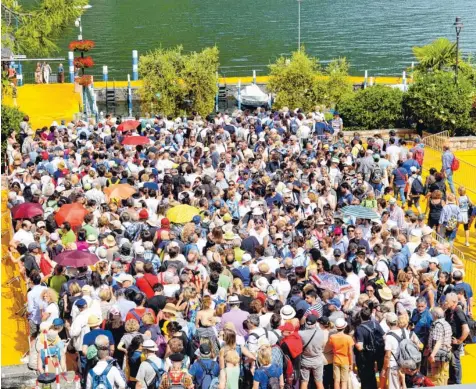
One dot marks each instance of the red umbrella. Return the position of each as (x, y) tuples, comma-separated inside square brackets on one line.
[(136, 140), (75, 258), (128, 125), (72, 213), (26, 210)]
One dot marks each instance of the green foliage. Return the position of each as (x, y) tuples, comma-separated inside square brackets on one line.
[(294, 82), (437, 103), (374, 107), (336, 86), (174, 82), (40, 27), (11, 119)]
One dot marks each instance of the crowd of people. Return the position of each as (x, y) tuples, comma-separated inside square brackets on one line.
[(271, 283)]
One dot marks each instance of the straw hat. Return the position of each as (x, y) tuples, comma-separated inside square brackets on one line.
[(110, 241), (170, 308)]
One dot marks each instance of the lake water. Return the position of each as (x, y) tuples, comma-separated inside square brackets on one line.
[(373, 34)]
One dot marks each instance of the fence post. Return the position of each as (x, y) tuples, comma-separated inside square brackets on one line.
[(71, 66), (129, 95), (404, 80), (104, 73), (365, 79), (135, 65), (371, 81), (216, 95), (239, 95), (20, 74), (413, 66), (254, 76)]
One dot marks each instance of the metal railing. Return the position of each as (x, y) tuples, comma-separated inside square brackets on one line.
[(436, 141)]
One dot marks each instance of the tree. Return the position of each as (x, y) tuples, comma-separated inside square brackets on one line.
[(39, 27), (294, 81), (437, 103), (11, 119), (374, 107), (174, 83), (336, 86)]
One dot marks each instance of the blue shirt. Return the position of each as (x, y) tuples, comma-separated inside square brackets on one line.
[(467, 288), (447, 160), (197, 371), (445, 263), (400, 176), (91, 336), (261, 376), (400, 260), (410, 163), (35, 303), (422, 322)]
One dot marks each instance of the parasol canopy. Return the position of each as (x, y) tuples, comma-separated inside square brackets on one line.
[(135, 140), (360, 212), (26, 210), (72, 213), (128, 125), (182, 213), (76, 258), (119, 191), (332, 282)]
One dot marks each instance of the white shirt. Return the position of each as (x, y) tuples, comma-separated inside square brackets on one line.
[(265, 319), (420, 262), (354, 280), (53, 310), (282, 289), (391, 344), (23, 236), (393, 154), (113, 376)]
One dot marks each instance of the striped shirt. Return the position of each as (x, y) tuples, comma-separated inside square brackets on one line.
[(315, 309)]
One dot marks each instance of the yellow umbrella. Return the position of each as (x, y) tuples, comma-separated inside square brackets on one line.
[(182, 213)]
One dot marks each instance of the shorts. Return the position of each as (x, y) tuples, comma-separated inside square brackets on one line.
[(34, 329), (341, 373), (316, 371)]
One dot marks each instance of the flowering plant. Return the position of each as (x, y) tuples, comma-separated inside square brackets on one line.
[(84, 45), (83, 62), (85, 80)]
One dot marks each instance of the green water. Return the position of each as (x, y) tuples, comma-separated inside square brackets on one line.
[(373, 34)]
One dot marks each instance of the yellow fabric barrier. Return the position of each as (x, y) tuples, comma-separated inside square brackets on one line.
[(15, 330)]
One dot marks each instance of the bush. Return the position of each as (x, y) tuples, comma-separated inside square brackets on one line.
[(371, 108), (11, 119), (175, 83), (294, 81), (334, 88), (436, 103)]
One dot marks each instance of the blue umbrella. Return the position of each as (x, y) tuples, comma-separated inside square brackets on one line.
[(360, 212)]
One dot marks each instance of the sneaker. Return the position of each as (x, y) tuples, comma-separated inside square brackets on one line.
[(467, 244)]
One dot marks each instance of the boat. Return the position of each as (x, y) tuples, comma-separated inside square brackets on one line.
[(253, 96)]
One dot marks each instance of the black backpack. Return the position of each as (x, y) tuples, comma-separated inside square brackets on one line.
[(377, 343), (273, 382), (417, 187)]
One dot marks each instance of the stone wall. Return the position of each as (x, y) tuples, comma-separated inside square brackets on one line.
[(463, 143), (402, 133)]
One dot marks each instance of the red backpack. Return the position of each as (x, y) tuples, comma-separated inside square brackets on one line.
[(419, 155), (454, 164)]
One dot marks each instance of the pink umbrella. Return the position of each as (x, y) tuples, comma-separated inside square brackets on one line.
[(135, 140), (26, 210)]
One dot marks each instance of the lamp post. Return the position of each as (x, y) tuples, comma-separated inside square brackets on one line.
[(78, 23), (458, 27), (299, 24)]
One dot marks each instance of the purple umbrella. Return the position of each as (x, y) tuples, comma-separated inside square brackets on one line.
[(75, 258)]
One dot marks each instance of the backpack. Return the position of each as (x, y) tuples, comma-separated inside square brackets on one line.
[(407, 350), (417, 187), (209, 381), (454, 164), (176, 381), (419, 154), (162, 345), (391, 276), (376, 342), (377, 174), (273, 382), (452, 222), (158, 375), (100, 381)]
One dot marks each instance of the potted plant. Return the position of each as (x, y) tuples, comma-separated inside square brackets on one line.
[(83, 46)]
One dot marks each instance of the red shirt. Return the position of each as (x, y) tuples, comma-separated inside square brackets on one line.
[(146, 284), (140, 311)]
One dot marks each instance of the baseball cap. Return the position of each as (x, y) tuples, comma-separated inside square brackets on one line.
[(311, 320)]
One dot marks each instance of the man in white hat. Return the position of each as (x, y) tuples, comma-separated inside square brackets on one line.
[(344, 360)]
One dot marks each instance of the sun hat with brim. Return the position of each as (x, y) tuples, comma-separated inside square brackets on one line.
[(433, 260), (262, 284), (110, 241), (170, 308), (125, 277), (233, 300), (287, 327), (246, 258), (150, 345), (287, 312), (229, 235), (385, 293), (340, 323), (94, 321), (91, 239)]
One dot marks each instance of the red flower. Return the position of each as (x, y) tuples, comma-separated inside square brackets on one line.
[(85, 80), (85, 62), (84, 45)]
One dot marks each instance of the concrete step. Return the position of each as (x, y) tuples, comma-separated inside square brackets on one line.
[(20, 377)]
